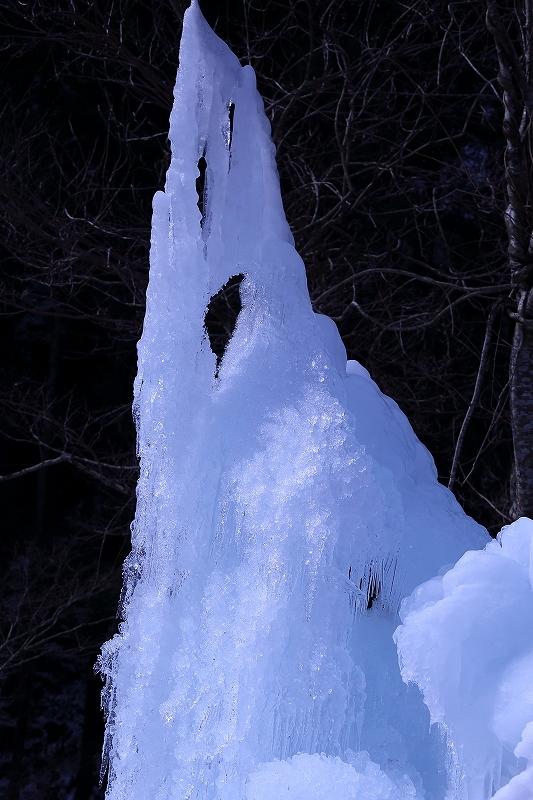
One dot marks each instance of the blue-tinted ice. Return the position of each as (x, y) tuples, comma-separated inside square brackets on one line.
[(285, 508)]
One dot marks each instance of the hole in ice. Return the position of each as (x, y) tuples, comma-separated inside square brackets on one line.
[(231, 114), (200, 187), (221, 316), (379, 583), (373, 590)]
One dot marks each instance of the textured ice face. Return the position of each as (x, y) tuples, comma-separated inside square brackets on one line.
[(467, 641), (284, 505), (317, 777)]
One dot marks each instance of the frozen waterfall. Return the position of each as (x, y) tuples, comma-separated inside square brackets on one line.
[(284, 509)]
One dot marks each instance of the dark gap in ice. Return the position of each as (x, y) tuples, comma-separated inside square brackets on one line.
[(373, 591), (221, 316), (200, 187), (370, 585), (231, 112)]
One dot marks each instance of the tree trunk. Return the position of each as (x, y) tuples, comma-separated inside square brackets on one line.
[(515, 79), (522, 406)]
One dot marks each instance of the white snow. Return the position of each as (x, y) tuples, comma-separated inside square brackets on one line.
[(467, 641), (317, 777), (278, 495)]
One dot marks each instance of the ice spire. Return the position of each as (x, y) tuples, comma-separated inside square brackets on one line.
[(275, 498)]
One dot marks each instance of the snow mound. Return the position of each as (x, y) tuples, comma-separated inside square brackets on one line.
[(319, 777), (467, 641)]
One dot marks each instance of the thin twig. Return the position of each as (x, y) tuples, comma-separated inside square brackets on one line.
[(475, 397)]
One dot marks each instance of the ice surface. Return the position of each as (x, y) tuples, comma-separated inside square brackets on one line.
[(317, 777), (284, 508), (467, 641)]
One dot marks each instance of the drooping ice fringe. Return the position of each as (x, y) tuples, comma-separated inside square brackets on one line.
[(279, 496)]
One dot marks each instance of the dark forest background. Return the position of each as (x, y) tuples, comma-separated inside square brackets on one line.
[(403, 138)]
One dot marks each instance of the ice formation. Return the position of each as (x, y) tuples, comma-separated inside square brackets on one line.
[(467, 641), (284, 508)]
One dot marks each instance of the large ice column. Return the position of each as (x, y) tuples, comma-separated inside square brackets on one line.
[(467, 641), (276, 496)]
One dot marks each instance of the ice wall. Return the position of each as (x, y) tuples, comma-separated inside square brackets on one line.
[(284, 506)]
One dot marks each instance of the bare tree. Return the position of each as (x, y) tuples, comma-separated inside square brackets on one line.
[(396, 173), (511, 25), (391, 157)]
